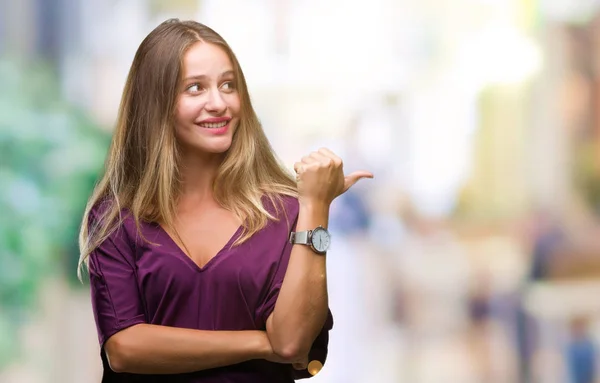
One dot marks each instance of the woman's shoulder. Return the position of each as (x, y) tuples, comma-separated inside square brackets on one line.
[(102, 210), (281, 205), (122, 220), (283, 211)]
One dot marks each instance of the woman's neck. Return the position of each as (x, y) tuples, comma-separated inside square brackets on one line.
[(198, 174)]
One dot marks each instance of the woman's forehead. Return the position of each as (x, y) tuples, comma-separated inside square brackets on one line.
[(206, 60)]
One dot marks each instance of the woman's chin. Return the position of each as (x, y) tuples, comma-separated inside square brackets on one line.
[(220, 149), (205, 150)]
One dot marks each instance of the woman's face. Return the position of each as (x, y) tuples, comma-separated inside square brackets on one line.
[(208, 105)]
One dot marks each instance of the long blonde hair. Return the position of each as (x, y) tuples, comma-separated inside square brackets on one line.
[(141, 168)]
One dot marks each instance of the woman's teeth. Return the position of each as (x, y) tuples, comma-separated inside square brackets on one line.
[(215, 125)]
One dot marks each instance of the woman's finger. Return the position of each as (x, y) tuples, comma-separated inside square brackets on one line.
[(326, 152), (354, 177), (308, 160), (322, 158), (298, 167)]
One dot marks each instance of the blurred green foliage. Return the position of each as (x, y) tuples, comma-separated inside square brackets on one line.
[(51, 154), (587, 173)]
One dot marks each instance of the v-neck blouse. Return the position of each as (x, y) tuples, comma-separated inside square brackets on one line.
[(177, 249), (152, 281)]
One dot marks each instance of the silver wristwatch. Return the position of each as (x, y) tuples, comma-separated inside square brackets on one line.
[(318, 239)]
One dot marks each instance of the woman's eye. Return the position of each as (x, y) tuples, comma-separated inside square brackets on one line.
[(194, 88), (228, 85)]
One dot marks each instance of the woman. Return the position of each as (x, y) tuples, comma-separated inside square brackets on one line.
[(194, 274)]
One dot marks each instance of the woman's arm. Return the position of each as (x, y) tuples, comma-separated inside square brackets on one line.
[(302, 305), (152, 349)]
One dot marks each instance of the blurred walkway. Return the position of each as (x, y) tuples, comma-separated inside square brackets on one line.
[(60, 345)]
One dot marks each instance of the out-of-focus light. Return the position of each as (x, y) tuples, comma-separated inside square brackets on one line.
[(568, 10), (500, 54), (314, 367)]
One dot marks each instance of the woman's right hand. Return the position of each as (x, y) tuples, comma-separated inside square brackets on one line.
[(270, 355)]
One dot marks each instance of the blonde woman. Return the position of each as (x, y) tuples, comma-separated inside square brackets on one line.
[(206, 258)]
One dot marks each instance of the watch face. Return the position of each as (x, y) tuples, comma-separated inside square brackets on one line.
[(321, 239)]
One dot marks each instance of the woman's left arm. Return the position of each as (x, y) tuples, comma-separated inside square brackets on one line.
[(302, 306)]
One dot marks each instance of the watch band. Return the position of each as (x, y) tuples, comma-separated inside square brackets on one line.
[(300, 237)]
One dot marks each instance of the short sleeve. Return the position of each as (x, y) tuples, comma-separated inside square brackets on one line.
[(320, 345), (116, 299)]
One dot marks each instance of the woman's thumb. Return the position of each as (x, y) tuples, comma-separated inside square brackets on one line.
[(354, 177)]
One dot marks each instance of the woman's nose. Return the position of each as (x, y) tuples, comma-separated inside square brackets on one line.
[(215, 102)]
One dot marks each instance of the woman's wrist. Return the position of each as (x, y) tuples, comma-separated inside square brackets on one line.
[(262, 346), (313, 203), (312, 213)]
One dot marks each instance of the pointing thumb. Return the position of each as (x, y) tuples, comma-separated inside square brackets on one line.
[(354, 177)]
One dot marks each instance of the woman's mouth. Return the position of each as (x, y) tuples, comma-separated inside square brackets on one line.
[(213, 125)]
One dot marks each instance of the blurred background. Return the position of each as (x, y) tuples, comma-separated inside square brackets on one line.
[(473, 256)]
